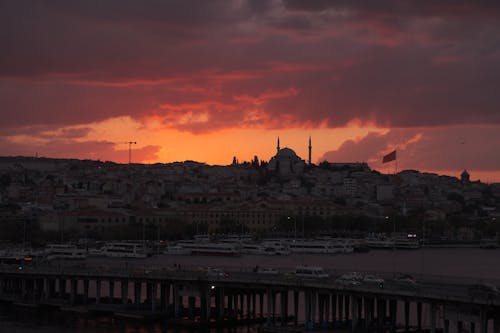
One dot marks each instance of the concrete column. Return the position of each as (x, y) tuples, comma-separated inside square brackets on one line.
[(419, 316), (205, 303), (314, 302), (62, 288), (369, 308), (177, 301), (165, 295), (45, 292), (85, 291), (98, 291), (334, 307), (341, 307), (296, 307), (354, 311), (307, 310), (191, 304), (327, 308), (230, 305), (393, 308), (137, 292), (483, 320), (347, 306), (433, 317), (261, 300), (321, 309), (407, 316), (496, 325), (381, 313), (72, 295), (248, 306), (111, 286), (124, 291), (254, 304), (241, 309), (284, 307), (219, 305), (154, 289), (269, 304)]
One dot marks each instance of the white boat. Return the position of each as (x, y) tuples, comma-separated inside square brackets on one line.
[(406, 243), (177, 250), (313, 246), (123, 250), (488, 243), (64, 251), (379, 242), (212, 249)]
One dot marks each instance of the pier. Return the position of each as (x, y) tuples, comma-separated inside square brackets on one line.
[(278, 301)]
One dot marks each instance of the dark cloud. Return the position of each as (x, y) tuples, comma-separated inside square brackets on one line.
[(388, 63), (442, 148)]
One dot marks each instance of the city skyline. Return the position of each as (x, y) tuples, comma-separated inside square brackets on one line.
[(207, 81)]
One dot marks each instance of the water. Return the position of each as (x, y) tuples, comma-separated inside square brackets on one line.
[(470, 264)]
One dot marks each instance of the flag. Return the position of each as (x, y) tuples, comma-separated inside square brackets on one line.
[(389, 157)]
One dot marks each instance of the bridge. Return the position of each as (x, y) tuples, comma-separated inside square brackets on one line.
[(281, 301)]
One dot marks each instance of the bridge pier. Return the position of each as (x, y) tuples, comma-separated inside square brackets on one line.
[(124, 290), (419, 316), (407, 316), (354, 315), (393, 309)]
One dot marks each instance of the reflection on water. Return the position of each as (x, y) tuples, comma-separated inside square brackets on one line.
[(33, 321)]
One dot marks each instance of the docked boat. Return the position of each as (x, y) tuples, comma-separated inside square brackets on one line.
[(488, 243), (213, 249), (123, 250), (177, 250), (64, 251), (379, 242), (313, 246), (409, 242)]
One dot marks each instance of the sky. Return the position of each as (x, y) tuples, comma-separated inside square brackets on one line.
[(209, 80)]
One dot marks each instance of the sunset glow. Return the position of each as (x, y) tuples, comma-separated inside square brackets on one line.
[(209, 80)]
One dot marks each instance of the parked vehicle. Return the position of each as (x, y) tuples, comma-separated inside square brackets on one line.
[(312, 272)]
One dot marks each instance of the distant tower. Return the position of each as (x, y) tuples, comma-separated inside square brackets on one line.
[(465, 177), (310, 150), (278, 146)]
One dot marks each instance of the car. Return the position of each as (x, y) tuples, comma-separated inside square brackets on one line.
[(483, 289), (406, 279), (347, 282), (216, 272), (272, 271), (310, 272), (372, 279), (352, 276)]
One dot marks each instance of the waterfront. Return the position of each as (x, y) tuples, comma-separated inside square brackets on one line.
[(441, 263)]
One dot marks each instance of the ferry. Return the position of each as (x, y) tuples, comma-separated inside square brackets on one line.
[(312, 246), (64, 251), (488, 243), (123, 250), (379, 242), (213, 249), (177, 250), (409, 242)]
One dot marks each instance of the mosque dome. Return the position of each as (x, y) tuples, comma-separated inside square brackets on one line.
[(286, 153)]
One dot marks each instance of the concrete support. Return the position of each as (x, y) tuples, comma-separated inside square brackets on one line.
[(111, 293), (269, 304), (327, 308), (45, 291), (433, 309), (191, 304), (472, 327), (307, 310), (124, 291), (261, 300), (72, 292), (393, 308), (296, 307), (314, 303), (85, 291), (347, 305), (154, 290), (334, 307), (205, 303), (419, 316), (254, 305), (321, 309), (354, 311), (284, 307), (407, 316), (341, 307), (496, 325), (177, 301), (62, 288), (248, 311), (97, 291), (220, 303), (381, 313), (483, 320), (446, 328), (137, 292), (165, 295)]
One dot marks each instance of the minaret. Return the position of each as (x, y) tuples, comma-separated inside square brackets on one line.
[(310, 150), (278, 147)]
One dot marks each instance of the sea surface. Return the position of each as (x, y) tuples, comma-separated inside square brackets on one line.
[(469, 264)]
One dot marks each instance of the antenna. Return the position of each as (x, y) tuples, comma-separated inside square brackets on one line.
[(130, 143)]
